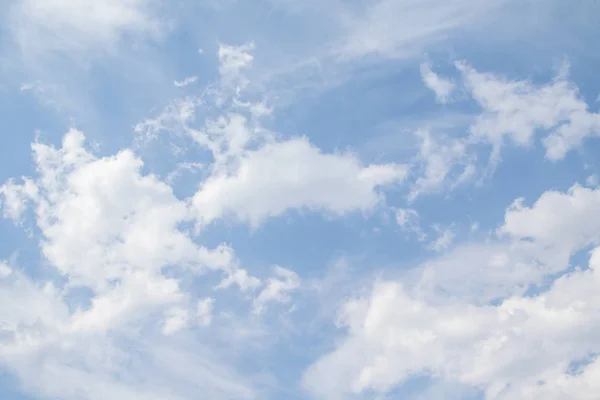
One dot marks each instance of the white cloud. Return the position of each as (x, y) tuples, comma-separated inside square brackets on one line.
[(54, 363), (101, 218), (175, 118), (293, 175), (439, 157), (442, 87), (399, 27), (532, 243), (256, 174), (232, 61), (109, 230), (228, 136), (5, 270), (68, 25), (121, 234), (277, 289), (518, 109), (128, 303), (54, 45), (478, 273), (27, 308), (592, 180), (559, 223), (444, 239), (204, 311), (187, 81), (438, 320), (512, 112), (176, 319), (393, 336), (190, 167), (241, 278), (14, 198), (408, 219)]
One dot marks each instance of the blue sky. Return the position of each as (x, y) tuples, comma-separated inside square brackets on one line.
[(387, 199)]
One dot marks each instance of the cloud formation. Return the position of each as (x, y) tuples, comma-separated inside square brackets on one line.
[(521, 346), (337, 200)]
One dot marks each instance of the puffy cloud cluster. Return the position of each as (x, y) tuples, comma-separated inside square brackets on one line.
[(481, 316), (127, 300), (119, 246), (518, 109), (513, 112)]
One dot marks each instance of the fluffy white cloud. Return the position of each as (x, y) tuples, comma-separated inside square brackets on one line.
[(42, 343), (110, 231), (533, 243), (557, 225), (102, 219), (15, 198), (513, 112), (293, 175), (232, 60), (28, 308), (240, 278), (439, 321), (256, 174), (393, 336), (518, 109), (442, 87)]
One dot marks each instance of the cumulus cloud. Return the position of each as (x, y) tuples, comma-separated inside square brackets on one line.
[(101, 218), (393, 335), (293, 175), (118, 240), (130, 301), (255, 173), (442, 87), (441, 321), (43, 342), (110, 230), (240, 278)]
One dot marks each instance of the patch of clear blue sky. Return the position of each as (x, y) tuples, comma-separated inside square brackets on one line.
[(10, 388)]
